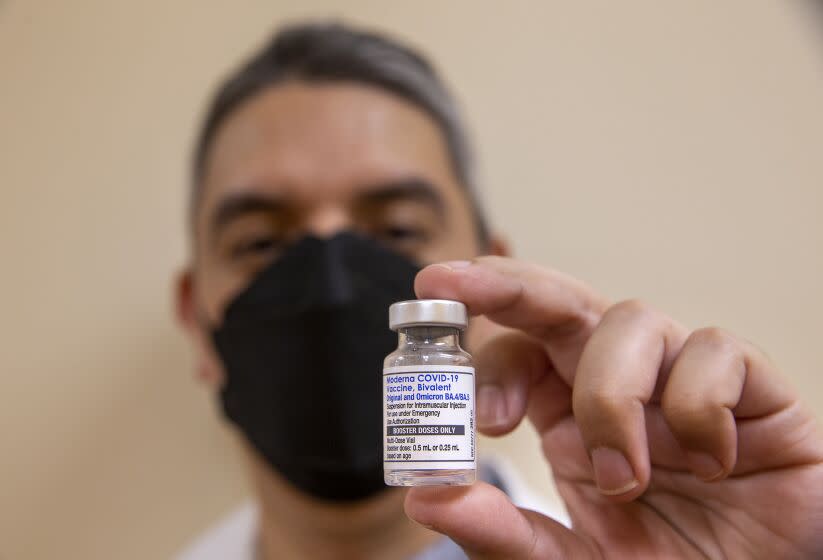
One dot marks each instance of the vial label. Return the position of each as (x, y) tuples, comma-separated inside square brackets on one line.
[(428, 417)]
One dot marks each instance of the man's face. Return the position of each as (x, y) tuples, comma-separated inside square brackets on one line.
[(317, 159)]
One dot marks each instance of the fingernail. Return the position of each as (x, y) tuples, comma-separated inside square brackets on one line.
[(612, 472), (704, 466), (491, 406), (456, 265)]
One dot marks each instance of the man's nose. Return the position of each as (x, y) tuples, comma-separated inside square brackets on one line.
[(327, 221)]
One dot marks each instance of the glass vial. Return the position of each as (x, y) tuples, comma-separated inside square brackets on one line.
[(428, 397)]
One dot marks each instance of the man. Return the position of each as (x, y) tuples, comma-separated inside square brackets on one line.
[(331, 167)]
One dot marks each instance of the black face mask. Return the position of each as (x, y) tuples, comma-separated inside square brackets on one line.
[(303, 347)]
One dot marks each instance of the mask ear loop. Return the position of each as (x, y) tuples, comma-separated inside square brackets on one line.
[(202, 320)]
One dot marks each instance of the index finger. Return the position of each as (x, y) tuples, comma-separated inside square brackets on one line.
[(544, 303)]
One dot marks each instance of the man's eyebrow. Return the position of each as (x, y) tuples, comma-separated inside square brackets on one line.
[(240, 204), (413, 188)]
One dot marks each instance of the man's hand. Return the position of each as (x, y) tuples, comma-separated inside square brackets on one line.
[(664, 443)]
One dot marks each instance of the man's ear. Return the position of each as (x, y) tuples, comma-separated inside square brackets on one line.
[(481, 329), (184, 300), (207, 363), (498, 246)]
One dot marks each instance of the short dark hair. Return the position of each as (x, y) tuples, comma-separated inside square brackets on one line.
[(328, 52)]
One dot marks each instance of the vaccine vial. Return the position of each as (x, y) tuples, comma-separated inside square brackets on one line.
[(428, 397)]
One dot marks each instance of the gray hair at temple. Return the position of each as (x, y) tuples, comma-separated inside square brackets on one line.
[(327, 52)]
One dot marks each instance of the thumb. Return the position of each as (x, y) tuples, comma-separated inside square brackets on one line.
[(481, 519)]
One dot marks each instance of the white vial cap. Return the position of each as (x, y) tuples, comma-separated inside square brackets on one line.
[(428, 312)]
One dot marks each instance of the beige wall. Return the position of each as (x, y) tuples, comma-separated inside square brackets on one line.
[(666, 150)]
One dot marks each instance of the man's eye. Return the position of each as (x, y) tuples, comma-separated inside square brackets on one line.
[(255, 246), (403, 233)]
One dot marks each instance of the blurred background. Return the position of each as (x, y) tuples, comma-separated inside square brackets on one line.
[(671, 151)]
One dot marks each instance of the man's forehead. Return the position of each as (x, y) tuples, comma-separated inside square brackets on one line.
[(323, 138)]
